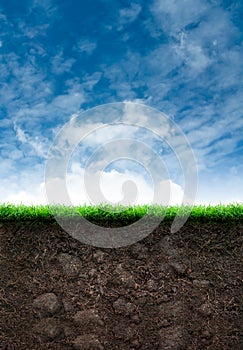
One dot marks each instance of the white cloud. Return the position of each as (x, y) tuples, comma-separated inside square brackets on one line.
[(60, 64), (86, 46), (49, 7), (173, 15), (111, 190), (128, 15), (23, 186), (89, 81), (192, 54), (27, 198), (32, 32), (211, 191), (35, 143)]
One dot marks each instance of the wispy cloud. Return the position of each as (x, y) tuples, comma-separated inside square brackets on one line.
[(85, 46), (128, 15), (60, 64)]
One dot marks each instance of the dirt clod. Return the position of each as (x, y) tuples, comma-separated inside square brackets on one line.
[(205, 310), (202, 284), (173, 338), (178, 267), (88, 318), (87, 342), (48, 329), (71, 265), (47, 303), (123, 307)]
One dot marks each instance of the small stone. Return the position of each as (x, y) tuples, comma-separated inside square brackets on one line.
[(205, 310), (87, 342), (123, 307), (71, 265), (88, 318), (47, 303)]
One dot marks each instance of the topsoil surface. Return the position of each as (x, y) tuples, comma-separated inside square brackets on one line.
[(168, 291)]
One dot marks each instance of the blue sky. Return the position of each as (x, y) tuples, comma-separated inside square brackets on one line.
[(183, 58)]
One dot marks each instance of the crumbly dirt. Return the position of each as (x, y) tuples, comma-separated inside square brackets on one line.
[(168, 291)]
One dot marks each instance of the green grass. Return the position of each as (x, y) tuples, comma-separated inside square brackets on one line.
[(104, 214)]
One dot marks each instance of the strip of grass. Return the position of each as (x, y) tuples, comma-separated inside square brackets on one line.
[(117, 214)]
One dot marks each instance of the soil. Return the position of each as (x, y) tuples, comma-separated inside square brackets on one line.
[(168, 291)]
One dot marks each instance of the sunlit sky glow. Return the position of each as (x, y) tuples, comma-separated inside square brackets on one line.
[(60, 58)]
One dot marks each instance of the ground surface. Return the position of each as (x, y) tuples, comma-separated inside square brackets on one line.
[(169, 291)]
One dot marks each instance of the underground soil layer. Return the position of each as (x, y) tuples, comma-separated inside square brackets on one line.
[(169, 291)]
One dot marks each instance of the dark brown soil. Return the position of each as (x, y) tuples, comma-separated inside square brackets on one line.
[(169, 291)]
